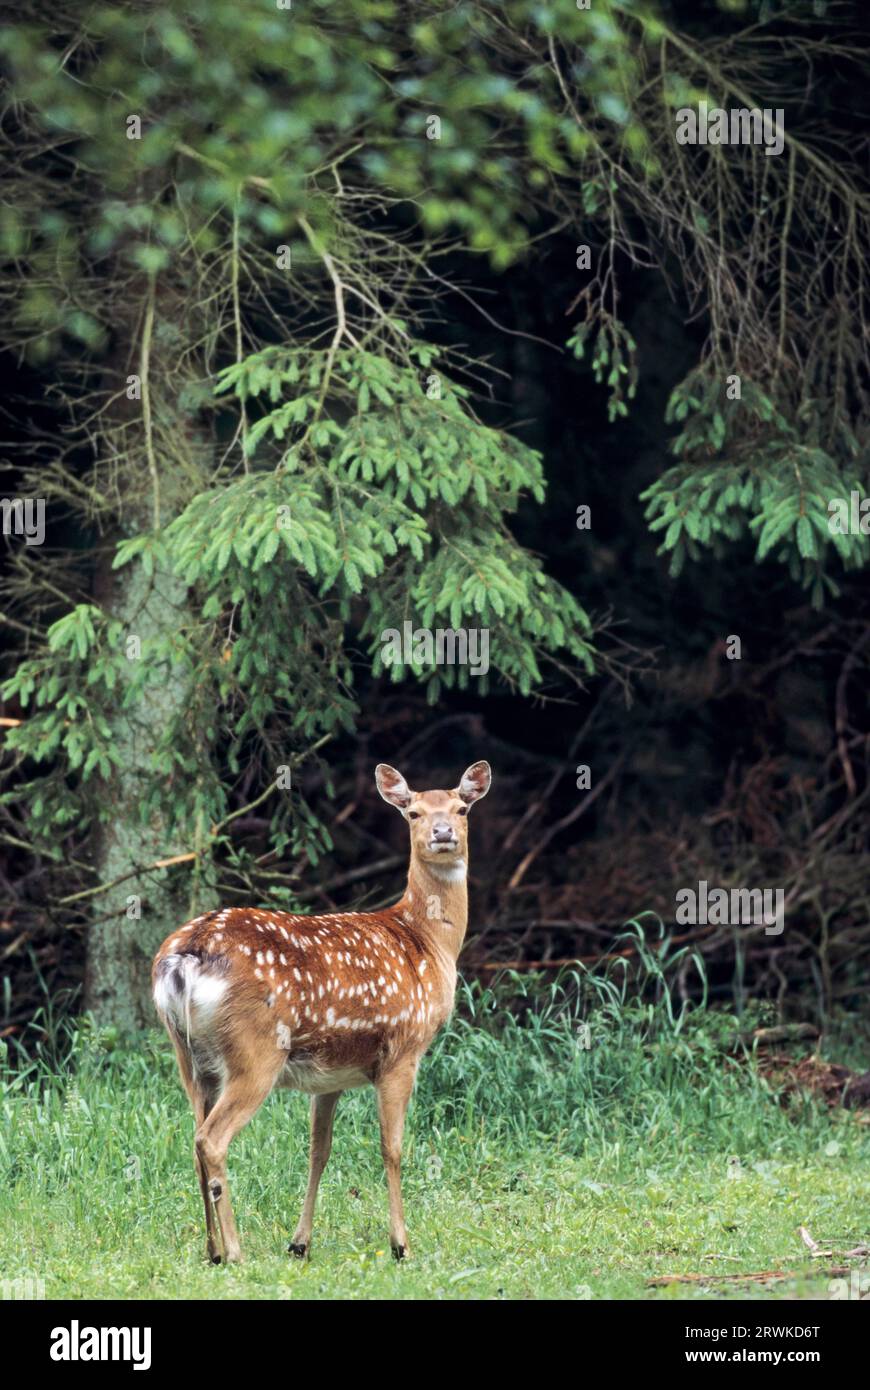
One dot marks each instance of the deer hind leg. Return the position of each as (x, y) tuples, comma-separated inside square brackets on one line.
[(394, 1091), (239, 1101), (322, 1116), (202, 1091)]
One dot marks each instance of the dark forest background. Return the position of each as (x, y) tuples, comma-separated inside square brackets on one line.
[(746, 773)]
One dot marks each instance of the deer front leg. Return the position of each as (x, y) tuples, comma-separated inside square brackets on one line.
[(394, 1091), (322, 1116)]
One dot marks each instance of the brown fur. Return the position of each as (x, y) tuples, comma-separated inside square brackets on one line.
[(254, 998)]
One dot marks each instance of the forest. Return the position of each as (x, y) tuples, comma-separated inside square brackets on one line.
[(419, 385)]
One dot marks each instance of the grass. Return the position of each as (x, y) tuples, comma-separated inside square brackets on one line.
[(565, 1141)]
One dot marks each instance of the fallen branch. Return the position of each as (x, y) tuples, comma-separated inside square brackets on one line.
[(767, 1276), (785, 1032)]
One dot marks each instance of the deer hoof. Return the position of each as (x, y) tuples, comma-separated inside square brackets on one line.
[(398, 1252), (297, 1250)]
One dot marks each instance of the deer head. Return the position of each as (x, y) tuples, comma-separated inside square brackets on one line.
[(438, 820)]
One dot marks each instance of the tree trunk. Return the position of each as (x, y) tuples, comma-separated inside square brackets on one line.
[(133, 917)]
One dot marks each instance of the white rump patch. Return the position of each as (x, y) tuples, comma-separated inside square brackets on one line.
[(187, 994), (206, 992)]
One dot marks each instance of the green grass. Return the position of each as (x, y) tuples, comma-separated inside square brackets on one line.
[(536, 1167)]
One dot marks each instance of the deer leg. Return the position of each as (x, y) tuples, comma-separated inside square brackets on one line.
[(322, 1115), (212, 1249), (394, 1091), (240, 1100), (202, 1099)]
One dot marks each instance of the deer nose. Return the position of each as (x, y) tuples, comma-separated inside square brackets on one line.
[(442, 832)]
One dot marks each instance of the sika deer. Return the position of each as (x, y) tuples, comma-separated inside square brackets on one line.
[(253, 999)]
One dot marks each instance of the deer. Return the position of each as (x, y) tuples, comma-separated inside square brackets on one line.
[(254, 999)]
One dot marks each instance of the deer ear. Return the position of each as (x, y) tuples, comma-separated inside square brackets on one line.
[(392, 786), (474, 782)]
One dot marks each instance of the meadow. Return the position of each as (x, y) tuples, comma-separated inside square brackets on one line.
[(571, 1139)]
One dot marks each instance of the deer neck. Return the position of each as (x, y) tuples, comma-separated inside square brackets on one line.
[(436, 899)]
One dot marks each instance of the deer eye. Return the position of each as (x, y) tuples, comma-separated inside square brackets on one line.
[(414, 815), (463, 811)]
